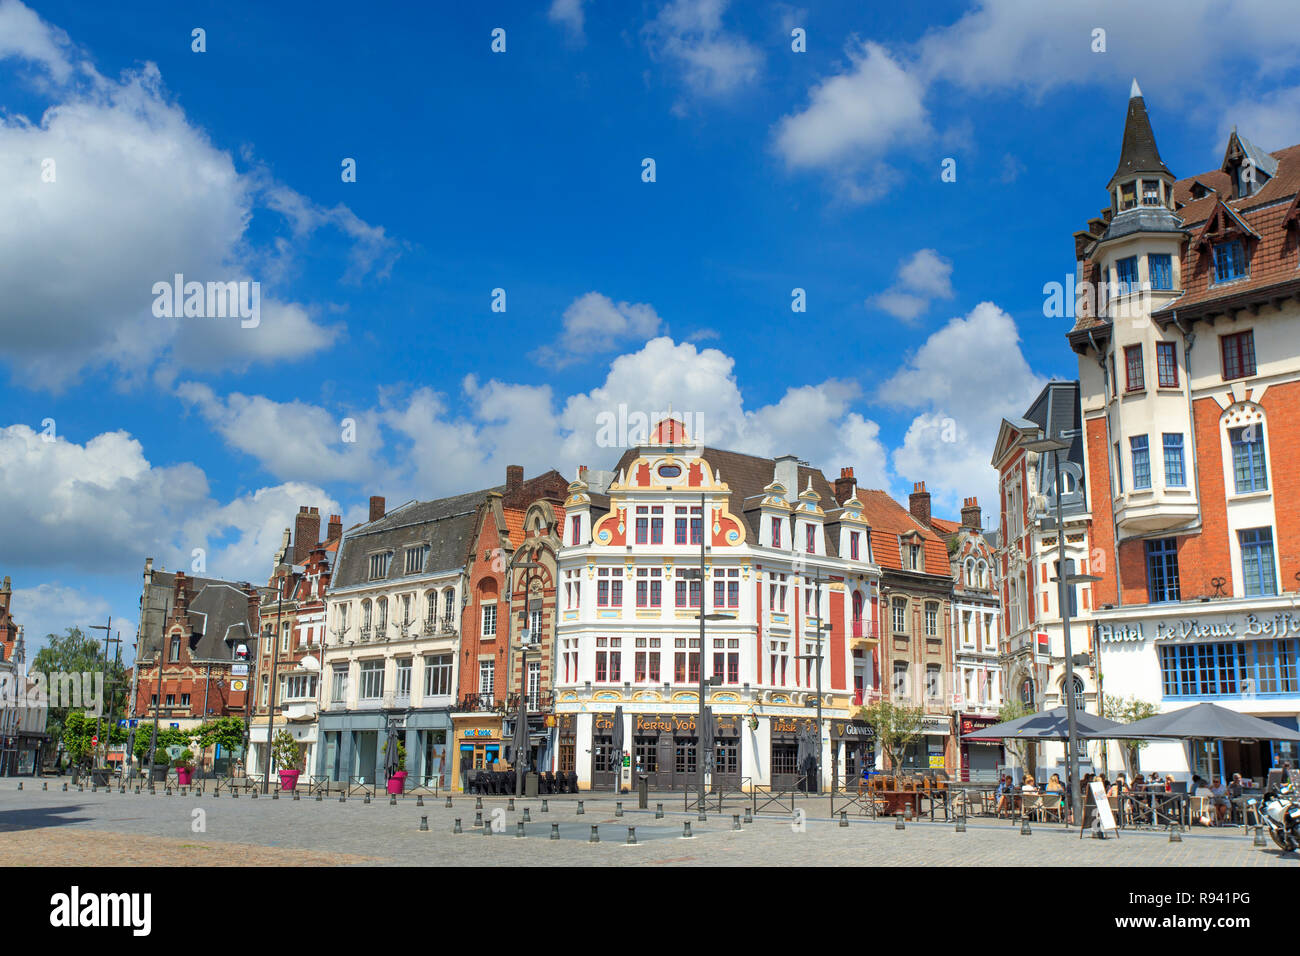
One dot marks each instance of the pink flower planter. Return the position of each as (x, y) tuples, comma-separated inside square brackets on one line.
[(288, 779), (183, 776), (397, 782)]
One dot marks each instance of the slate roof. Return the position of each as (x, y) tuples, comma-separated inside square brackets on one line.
[(1138, 152), (218, 613), (446, 525)]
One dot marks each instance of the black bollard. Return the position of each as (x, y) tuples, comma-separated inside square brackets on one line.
[(419, 801), (686, 829), (961, 825), (631, 836), (478, 803), (318, 796), (749, 817), (735, 821), (275, 794), (254, 793), (580, 811), (456, 828), (343, 798), (296, 795), (511, 805), (659, 811), (1024, 827), (545, 808), (898, 822), (618, 808), (555, 831), (527, 817), (487, 830), (519, 828), (1259, 836), (448, 803), (844, 818), (595, 834), (65, 788), (424, 823), (392, 800), (366, 801), (478, 818), (1174, 835)]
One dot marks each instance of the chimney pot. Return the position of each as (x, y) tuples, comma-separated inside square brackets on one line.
[(376, 507), (845, 485), (306, 532), (919, 503), (514, 477), (970, 514)]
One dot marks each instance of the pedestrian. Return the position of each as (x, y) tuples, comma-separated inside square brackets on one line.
[(1119, 787)]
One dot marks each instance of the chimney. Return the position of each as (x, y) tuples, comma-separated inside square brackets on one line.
[(180, 597), (376, 507), (970, 514), (306, 532), (786, 472), (336, 528), (919, 503), (254, 612), (514, 478), (845, 485)]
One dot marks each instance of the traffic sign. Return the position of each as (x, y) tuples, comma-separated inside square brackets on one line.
[(94, 741)]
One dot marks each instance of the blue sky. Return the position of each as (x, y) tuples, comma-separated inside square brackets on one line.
[(522, 171)]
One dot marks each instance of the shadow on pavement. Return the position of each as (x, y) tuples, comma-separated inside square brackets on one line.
[(34, 818)]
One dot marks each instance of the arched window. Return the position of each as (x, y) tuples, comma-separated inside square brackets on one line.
[(382, 612), (448, 606), (366, 608), (430, 609), (857, 613)]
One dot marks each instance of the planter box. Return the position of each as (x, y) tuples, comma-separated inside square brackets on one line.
[(397, 782), (183, 776), (288, 779)]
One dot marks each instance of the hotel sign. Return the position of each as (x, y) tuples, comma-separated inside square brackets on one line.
[(1190, 629)]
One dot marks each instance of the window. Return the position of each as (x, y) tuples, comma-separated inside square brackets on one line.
[(912, 557), (694, 590), (853, 545), (1126, 274), (176, 649), (437, 675), (1151, 193), (1119, 470), (171, 699), (1162, 570), (900, 615), (372, 680), (1127, 196), (812, 538), (1257, 561), (931, 619), (535, 625), (1248, 458), (776, 532), (649, 587), (404, 678), (900, 679), (339, 687), (415, 558), (1141, 462), (284, 638), (1230, 670), (1114, 379), (726, 588), (1166, 365), (1136, 381), (657, 525), (573, 590), (1175, 476), (1238, 355), (489, 621), (185, 700), (1162, 271), (776, 593), (448, 609), (575, 530), (609, 587), (642, 525), (487, 678), (1229, 261), (680, 524), (379, 565), (932, 683), (609, 659)]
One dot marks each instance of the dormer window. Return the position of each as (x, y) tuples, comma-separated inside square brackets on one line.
[(1151, 192), (1127, 196), (1229, 261)]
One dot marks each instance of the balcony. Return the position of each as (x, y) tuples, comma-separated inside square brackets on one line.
[(477, 704), (1146, 509), (449, 628), (364, 634), (303, 709)]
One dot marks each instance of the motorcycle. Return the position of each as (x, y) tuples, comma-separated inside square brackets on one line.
[(1281, 814)]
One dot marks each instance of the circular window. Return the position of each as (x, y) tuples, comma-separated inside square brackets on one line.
[(669, 471)]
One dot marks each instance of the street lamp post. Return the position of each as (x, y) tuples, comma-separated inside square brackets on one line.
[(108, 634), (270, 713), (524, 647), (1064, 581)]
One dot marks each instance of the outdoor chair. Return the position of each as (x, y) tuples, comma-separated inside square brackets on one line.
[(573, 782), (1051, 806)]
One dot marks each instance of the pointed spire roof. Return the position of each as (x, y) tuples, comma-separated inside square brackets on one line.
[(1138, 154)]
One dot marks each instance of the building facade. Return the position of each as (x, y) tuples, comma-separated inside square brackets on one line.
[(976, 628), (1189, 371), (22, 715), (1033, 641), (783, 559)]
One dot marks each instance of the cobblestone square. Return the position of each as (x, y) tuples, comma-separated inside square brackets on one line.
[(56, 828)]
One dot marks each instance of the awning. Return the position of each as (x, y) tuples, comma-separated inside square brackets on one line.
[(1047, 725)]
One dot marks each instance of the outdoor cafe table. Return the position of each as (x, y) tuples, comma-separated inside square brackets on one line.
[(896, 800)]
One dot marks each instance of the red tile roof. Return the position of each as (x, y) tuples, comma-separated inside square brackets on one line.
[(888, 520)]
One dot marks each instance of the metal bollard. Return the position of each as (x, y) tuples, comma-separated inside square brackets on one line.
[(169, 792), (487, 830), (343, 798), (1259, 836), (961, 825), (478, 803), (448, 803), (392, 799), (618, 808), (519, 828), (424, 823), (234, 794), (1024, 827), (686, 829), (735, 821), (478, 818), (297, 795), (419, 801), (137, 788), (318, 796), (45, 785), (545, 807), (631, 836), (580, 811), (1174, 835), (511, 805), (366, 801), (275, 794), (527, 817), (844, 818), (749, 817), (20, 784), (898, 822), (456, 828), (595, 834), (65, 788), (659, 811), (555, 831)]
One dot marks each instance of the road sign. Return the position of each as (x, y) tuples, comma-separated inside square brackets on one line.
[(239, 670), (135, 722), (237, 685), (122, 722), (174, 726), (94, 741)]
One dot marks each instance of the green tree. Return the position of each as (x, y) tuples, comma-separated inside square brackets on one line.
[(1025, 751), (896, 726), (285, 751), (77, 732), (76, 653), (1126, 710)]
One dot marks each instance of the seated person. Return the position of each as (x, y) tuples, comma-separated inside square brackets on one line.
[(1028, 785), (1219, 797), (1003, 795), (1206, 799), (1119, 787)]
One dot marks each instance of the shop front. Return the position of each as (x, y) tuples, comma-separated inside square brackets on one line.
[(480, 745), (929, 749), (785, 772), (979, 760), (1240, 654), (853, 750), (20, 754)]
